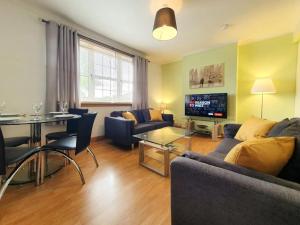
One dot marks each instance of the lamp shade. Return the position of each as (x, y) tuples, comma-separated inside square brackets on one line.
[(165, 27), (263, 85)]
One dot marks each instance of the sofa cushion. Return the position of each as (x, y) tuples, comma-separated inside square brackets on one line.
[(155, 115), (226, 145), (267, 155), (146, 115), (143, 127), (292, 170), (130, 116), (138, 115), (148, 126), (217, 155), (276, 130), (116, 113), (230, 130), (160, 124), (254, 128)]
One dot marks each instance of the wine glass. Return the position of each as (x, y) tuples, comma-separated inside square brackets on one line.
[(37, 109), (2, 107), (63, 107)]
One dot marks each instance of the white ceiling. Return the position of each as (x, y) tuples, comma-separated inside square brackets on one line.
[(199, 22)]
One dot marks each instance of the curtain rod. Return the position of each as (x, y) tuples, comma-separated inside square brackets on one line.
[(98, 42)]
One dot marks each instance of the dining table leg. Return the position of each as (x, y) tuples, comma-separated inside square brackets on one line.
[(35, 137)]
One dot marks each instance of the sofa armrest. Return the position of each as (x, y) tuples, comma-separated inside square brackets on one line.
[(230, 130), (169, 118), (210, 195), (118, 129)]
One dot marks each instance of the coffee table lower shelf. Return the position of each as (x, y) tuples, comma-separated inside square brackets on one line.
[(159, 153)]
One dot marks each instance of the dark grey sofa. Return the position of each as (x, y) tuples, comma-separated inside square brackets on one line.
[(208, 191)]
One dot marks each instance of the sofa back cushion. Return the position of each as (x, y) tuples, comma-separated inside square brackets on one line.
[(292, 170), (277, 129), (254, 128), (116, 113), (138, 115), (141, 115), (267, 155), (146, 115)]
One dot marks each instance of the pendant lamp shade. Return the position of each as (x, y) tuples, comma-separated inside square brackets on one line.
[(165, 27)]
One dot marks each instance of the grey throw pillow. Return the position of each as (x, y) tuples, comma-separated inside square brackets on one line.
[(277, 129)]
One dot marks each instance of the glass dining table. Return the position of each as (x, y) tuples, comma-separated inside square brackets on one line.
[(54, 163)]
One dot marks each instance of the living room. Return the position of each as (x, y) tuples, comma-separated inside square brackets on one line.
[(134, 112)]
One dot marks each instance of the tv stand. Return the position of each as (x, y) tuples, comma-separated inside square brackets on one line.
[(213, 130)]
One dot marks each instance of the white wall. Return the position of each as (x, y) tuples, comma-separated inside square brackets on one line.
[(154, 85), (23, 63)]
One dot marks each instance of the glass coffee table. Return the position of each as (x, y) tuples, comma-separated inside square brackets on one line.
[(161, 145)]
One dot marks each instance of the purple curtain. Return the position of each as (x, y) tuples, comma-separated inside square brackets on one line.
[(62, 68), (140, 83)]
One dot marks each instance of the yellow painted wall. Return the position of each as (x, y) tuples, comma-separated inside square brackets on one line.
[(175, 79), (275, 58)]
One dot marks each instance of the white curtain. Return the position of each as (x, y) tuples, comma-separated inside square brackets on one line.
[(61, 72), (140, 83)]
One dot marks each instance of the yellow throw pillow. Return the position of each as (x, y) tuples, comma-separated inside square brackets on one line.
[(266, 155), (155, 115), (254, 128), (129, 116)]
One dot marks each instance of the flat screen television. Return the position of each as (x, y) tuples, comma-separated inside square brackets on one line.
[(206, 105)]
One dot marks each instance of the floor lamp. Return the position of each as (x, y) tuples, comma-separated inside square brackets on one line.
[(263, 86)]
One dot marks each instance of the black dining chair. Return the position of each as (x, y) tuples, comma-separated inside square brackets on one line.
[(19, 156), (71, 126), (17, 141), (77, 143)]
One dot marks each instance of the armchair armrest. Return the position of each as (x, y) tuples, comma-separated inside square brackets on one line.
[(209, 195), (119, 129), (230, 130), (169, 118)]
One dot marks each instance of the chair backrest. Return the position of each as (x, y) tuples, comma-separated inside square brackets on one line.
[(84, 132), (2, 154), (72, 125)]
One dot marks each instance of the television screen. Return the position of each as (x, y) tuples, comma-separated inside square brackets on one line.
[(206, 105)]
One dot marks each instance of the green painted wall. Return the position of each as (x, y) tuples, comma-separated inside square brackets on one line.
[(275, 58), (175, 79)]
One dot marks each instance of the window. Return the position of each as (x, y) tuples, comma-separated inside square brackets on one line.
[(105, 75)]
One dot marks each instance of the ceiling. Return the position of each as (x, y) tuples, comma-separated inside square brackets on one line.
[(200, 22)]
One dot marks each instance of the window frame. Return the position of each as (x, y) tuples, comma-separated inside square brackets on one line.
[(92, 101)]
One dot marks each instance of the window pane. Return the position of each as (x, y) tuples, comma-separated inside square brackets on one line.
[(84, 61), (84, 86), (98, 93)]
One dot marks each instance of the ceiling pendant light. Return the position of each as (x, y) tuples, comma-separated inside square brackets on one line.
[(165, 27)]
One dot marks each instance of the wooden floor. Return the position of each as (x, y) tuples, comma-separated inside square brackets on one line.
[(119, 192)]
